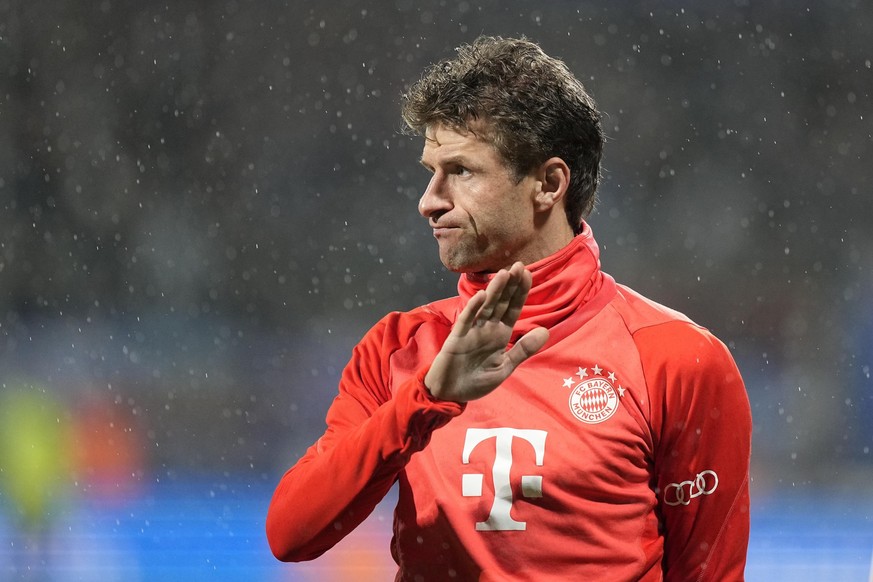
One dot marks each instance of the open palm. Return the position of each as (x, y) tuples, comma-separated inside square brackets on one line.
[(474, 360)]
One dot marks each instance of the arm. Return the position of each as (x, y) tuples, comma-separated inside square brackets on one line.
[(702, 427), (372, 434), (370, 437)]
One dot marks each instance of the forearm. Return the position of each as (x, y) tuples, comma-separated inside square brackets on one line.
[(329, 492), (339, 481)]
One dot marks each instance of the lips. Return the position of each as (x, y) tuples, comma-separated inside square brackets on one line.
[(439, 231)]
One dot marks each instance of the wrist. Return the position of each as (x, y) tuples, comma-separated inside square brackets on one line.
[(431, 387)]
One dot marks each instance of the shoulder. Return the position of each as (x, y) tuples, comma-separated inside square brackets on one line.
[(394, 348), (639, 312), (689, 373), (668, 339), (397, 328)]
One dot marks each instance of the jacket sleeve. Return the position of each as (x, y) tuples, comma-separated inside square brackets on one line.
[(701, 426), (371, 434)]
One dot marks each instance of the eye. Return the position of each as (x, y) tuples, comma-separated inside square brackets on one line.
[(462, 171)]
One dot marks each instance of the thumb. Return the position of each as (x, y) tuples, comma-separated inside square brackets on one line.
[(529, 344)]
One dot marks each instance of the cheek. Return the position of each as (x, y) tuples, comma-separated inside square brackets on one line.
[(499, 209), (501, 228)]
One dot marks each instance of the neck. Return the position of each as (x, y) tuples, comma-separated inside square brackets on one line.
[(562, 283), (553, 234), (550, 239)]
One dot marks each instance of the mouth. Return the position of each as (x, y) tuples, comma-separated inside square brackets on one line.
[(441, 231)]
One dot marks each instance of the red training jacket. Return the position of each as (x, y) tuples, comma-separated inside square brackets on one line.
[(620, 451)]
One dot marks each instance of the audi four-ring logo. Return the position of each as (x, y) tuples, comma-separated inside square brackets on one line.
[(682, 493)]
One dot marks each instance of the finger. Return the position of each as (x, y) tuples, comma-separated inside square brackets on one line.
[(518, 298), (468, 315), (515, 275), (493, 293), (504, 300), (529, 344)]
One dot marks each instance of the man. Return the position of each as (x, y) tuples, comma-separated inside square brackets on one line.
[(547, 423)]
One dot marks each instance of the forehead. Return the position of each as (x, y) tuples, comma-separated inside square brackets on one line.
[(441, 141)]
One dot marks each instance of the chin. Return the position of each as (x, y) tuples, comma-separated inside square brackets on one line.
[(460, 260), (466, 266), (454, 264)]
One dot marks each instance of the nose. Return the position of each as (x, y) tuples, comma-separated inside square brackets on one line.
[(436, 200)]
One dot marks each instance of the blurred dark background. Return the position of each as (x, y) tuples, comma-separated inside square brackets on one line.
[(204, 205)]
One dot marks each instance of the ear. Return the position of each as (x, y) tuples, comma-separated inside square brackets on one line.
[(553, 179)]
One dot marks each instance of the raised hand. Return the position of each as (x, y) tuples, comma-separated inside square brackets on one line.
[(474, 360)]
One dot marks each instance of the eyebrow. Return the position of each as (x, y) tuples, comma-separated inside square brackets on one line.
[(455, 159)]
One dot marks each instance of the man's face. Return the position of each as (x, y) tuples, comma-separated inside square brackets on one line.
[(481, 215)]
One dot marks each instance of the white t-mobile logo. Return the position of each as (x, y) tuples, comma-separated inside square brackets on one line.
[(531, 485)]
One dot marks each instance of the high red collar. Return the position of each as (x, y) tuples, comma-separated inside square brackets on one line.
[(563, 283)]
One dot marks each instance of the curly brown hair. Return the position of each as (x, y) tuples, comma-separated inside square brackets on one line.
[(532, 105)]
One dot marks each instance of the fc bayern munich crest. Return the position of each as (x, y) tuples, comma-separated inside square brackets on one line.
[(594, 397)]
